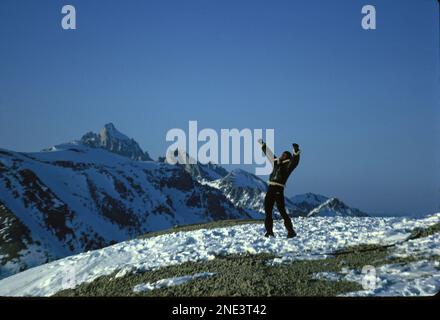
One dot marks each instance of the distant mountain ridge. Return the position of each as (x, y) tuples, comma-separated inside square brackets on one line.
[(335, 207), (247, 191)]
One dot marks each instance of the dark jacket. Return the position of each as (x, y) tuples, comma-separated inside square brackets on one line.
[(282, 170)]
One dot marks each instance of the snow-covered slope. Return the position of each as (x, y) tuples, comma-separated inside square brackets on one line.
[(77, 198), (16, 242), (318, 237)]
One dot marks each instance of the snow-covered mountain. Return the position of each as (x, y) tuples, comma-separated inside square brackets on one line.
[(247, 191), (308, 201), (77, 198), (112, 140), (201, 172), (243, 189), (335, 207)]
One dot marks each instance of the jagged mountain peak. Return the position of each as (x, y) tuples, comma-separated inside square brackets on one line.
[(109, 131), (113, 140)]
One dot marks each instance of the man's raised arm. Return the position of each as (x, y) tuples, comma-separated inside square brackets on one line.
[(295, 157), (266, 150)]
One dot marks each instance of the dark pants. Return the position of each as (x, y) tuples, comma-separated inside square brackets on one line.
[(275, 194)]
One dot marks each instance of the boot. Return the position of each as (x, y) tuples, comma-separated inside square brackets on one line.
[(291, 234), (269, 234)]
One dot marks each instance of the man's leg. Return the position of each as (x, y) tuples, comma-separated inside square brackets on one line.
[(269, 201), (279, 198)]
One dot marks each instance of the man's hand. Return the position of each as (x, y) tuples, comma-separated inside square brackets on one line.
[(295, 148)]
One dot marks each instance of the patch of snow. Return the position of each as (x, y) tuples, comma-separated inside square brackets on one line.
[(169, 282), (288, 258), (422, 248), (420, 278), (328, 276)]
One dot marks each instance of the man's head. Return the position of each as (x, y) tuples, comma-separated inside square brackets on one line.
[(285, 155)]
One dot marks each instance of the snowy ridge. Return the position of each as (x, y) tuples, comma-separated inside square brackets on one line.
[(244, 190), (308, 201), (317, 236), (335, 207), (203, 173), (243, 179)]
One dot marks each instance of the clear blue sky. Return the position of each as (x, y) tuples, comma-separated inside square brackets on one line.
[(362, 104)]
